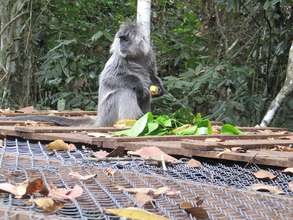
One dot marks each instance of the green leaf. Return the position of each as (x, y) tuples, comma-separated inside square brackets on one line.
[(204, 127), (230, 130), (185, 130), (97, 36), (152, 126), (184, 115), (138, 128), (164, 121)]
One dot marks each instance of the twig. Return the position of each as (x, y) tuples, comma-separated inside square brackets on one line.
[(11, 21)]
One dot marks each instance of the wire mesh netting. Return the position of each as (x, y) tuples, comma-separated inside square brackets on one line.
[(22, 160)]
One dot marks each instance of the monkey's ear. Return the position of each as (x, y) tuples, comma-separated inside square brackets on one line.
[(115, 45)]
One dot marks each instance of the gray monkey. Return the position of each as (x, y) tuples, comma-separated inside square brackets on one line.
[(124, 83), (124, 91)]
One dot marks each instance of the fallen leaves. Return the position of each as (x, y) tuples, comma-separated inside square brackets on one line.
[(26, 110), (153, 153), (143, 199), (196, 211), (60, 145), (77, 175), (266, 188), (54, 199), (144, 196), (64, 194), (135, 213), (194, 163), (288, 170), (117, 152), (48, 204), (101, 154), (25, 188), (263, 174), (290, 186)]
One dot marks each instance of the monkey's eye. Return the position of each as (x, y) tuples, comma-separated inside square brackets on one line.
[(123, 38)]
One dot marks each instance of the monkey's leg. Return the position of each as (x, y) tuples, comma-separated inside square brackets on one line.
[(128, 105), (107, 111)]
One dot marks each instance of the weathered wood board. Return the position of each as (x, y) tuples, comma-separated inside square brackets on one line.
[(62, 113)]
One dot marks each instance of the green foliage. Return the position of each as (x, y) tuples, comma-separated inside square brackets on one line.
[(230, 130), (150, 124), (226, 58)]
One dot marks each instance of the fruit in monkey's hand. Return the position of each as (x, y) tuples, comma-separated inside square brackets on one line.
[(154, 90)]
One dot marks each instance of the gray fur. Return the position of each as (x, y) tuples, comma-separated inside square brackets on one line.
[(127, 76), (123, 84)]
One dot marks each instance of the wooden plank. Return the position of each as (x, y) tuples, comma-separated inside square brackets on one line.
[(63, 113), (68, 137), (61, 129), (169, 147), (24, 123), (191, 137), (262, 129), (247, 144), (265, 157), (55, 129)]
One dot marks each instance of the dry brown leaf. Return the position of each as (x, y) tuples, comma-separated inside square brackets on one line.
[(134, 190), (35, 186), (27, 110), (226, 150), (161, 190), (153, 153), (99, 134), (58, 145), (173, 193), (266, 188), (198, 212), (76, 175), (101, 154), (65, 194), (109, 171), (238, 150), (185, 205), (290, 186), (194, 163), (143, 199), (263, 174), (288, 170), (48, 204), (150, 191), (135, 214), (213, 140)]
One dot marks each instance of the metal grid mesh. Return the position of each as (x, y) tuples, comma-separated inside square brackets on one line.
[(26, 160)]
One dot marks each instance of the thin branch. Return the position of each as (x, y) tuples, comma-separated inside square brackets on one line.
[(11, 21), (221, 28)]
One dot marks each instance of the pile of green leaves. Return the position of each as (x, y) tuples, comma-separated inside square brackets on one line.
[(182, 122)]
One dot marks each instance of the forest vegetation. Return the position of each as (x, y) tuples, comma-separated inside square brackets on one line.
[(226, 59)]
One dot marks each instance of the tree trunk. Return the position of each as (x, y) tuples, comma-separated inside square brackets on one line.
[(285, 90), (144, 16)]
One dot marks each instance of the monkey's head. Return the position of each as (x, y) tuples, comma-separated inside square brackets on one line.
[(130, 42)]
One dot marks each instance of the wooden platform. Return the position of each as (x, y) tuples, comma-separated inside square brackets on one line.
[(269, 146)]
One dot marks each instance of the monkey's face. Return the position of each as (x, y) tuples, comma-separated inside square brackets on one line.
[(125, 45), (130, 42)]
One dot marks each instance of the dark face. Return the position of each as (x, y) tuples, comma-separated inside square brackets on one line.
[(124, 44)]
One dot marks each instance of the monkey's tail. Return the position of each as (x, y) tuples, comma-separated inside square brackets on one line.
[(58, 120)]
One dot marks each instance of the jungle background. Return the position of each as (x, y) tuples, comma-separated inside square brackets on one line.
[(226, 59)]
